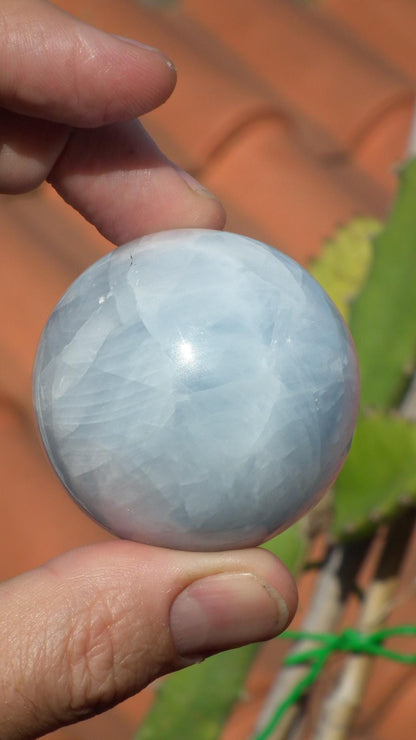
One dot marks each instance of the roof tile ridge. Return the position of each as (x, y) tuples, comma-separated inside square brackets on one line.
[(311, 136), (346, 13), (262, 100), (396, 84), (14, 414), (406, 100), (330, 20), (311, 140), (257, 117)]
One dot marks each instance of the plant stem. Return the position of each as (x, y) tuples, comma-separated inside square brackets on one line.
[(339, 712), (335, 584)]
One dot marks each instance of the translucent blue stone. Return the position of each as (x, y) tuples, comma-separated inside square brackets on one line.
[(196, 389)]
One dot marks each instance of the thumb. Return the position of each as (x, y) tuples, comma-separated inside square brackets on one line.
[(93, 627)]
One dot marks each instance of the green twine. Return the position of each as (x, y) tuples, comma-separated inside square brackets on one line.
[(349, 641)]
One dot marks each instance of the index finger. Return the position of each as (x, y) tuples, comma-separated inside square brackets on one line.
[(56, 67)]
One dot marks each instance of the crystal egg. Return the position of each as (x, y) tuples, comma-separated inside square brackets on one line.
[(196, 389)]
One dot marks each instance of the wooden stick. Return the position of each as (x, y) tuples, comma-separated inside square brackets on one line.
[(340, 710), (336, 582)]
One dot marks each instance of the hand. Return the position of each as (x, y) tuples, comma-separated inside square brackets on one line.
[(69, 95), (95, 625)]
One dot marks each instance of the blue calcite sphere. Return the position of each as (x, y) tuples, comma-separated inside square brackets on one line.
[(196, 389)]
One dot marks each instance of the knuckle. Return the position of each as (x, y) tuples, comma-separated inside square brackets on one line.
[(90, 662)]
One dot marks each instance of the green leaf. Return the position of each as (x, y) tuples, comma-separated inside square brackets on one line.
[(291, 547), (383, 316), (378, 478), (345, 261), (195, 703)]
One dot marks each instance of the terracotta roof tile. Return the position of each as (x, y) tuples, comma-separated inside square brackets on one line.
[(293, 200), (35, 503), (311, 61), (397, 718), (36, 245), (214, 93), (119, 723), (228, 78), (380, 150), (386, 26)]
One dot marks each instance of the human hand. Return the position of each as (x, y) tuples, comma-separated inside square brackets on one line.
[(69, 97), (96, 625)]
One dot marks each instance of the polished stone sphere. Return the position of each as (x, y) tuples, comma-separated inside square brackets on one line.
[(196, 389)]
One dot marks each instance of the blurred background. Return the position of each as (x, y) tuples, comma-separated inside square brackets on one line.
[(296, 115)]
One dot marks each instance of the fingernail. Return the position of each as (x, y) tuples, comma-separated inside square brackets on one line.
[(195, 185), (146, 47), (225, 611)]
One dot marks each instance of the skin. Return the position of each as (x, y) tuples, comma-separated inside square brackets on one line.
[(90, 628)]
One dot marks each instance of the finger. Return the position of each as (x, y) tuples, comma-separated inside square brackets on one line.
[(120, 181), (96, 625), (29, 149), (56, 73), (114, 175), (56, 67)]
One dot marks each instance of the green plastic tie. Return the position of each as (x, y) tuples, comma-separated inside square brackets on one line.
[(348, 641)]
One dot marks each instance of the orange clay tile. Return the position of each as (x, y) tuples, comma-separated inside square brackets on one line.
[(386, 26), (36, 502), (119, 723), (400, 719), (43, 254), (311, 60), (295, 202), (214, 94), (382, 149)]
